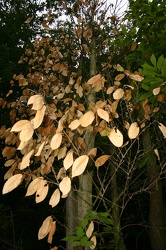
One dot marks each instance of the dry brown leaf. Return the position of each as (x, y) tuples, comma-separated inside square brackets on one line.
[(42, 191), (37, 121), (21, 125), (9, 163), (65, 185), (136, 77), (92, 153), (56, 141), (103, 114), (34, 186), (156, 91), (94, 242), (45, 227), (133, 130), (55, 198), (110, 90), (51, 232), (68, 161), (94, 79), (61, 153), (12, 183), (8, 152), (163, 129), (118, 94), (26, 160), (74, 124), (119, 77), (101, 160), (90, 229), (116, 137), (87, 119), (157, 154), (40, 149), (37, 101), (26, 134), (79, 165)]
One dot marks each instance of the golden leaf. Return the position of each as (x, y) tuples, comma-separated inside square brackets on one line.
[(79, 165), (101, 160), (74, 124), (55, 198), (65, 185), (12, 183), (21, 125), (90, 229), (37, 121), (163, 129), (68, 161), (42, 191), (26, 160), (103, 114), (45, 228), (116, 137), (36, 101), (56, 141), (26, 134), (133, 130), (87, 119), (118, 94), (34, 186)]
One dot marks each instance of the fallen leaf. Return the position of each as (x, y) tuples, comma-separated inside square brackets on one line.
[(12, 183)]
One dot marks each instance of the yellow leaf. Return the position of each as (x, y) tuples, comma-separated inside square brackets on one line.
[(45, 228), (79, 165), (55, 198), (37, 121), (101, 160), (21, 125), (42, 191), (26, 134), (37, 101), (163, 129), (34, 186), (51, 232), (74, 124), (103, 114), (40, 149), (65, 185), (118, 94), (93, 79), (68, 161), (26, 160), (116, 137), (56, 141), (87, 119), (9, 163), (133, 130), (12, 183), (90, 229), (94, 242)]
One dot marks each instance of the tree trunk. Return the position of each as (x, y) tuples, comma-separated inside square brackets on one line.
[(157, 220)]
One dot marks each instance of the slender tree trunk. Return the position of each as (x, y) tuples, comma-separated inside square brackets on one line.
[(157, 222)]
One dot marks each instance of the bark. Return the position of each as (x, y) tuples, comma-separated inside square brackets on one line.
[(157, 222)]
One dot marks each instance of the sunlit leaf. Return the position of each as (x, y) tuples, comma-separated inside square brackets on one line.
[(79, 165), (136, 77), (116, 137), (9, 162), (37, 101), (51, 232), (12, 183), (74, 124), (87, 119), (34, 186), (21, 125), (90, 229), (26, 135), (103, 114), (42, 191), (156, 91), (101, 160), (133, 130), (68, 161), (55, 198), (119, 77), (94, 242), (157, 154), (56, 141), (65, 185), (163, 129), (118, 94), (93, 79), (26, 160), (40, 149), (37, 121), (45, 228), (92, 153)]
